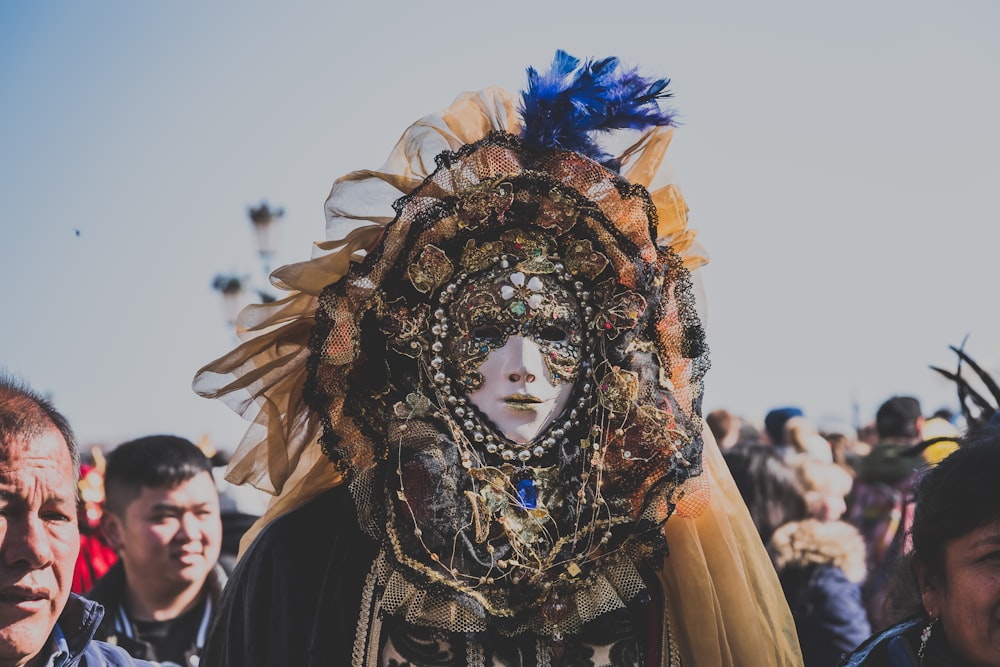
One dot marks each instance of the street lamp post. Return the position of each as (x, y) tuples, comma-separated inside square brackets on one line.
[(264, 220), (233, 287)]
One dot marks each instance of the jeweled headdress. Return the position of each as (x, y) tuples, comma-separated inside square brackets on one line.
[(521, 225)]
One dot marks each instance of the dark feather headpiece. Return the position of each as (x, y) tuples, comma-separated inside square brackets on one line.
[(571, 104), (979, 409)]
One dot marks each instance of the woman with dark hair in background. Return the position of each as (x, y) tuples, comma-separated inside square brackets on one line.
[(954, 567), (770, 487)]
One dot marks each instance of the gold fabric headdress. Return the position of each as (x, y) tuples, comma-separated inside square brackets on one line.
[(264, 378), (465, 178)]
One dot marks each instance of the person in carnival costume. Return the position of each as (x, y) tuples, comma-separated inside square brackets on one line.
[(480, 416)]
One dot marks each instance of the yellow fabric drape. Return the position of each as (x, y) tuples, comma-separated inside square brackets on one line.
[(725, 603)]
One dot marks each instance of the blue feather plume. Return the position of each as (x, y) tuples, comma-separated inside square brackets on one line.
[(571, 104)]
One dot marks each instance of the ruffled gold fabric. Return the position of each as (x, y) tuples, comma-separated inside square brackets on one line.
[(726, 607)]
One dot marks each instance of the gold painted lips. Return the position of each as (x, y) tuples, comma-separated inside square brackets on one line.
[(522, 401)]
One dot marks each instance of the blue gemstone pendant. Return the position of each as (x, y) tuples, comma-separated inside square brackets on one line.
[(528, 494)]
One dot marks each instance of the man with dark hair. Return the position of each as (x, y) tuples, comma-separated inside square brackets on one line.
[(41, 622), (898, 422), (880, 504), (26, 414), (162, 517)]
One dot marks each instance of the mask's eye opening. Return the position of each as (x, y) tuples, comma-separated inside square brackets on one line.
[(552, 333), (487, 332)]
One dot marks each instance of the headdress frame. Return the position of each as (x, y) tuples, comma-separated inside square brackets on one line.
[(714, 566)]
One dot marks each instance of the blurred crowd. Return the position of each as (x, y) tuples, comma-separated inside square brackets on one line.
[(834, 506)]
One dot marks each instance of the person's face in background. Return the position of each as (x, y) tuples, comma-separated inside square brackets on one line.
[(967, 600), (169, 537), (39, 541)]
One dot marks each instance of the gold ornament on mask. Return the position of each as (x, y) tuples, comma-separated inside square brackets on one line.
[(558, 211), (527, 244), (618, 390), (476, 258), (505, 302), (659, 429), (621, 312), (431, 269), (537, 266), (478, 204), (404, 326), (583, 261)]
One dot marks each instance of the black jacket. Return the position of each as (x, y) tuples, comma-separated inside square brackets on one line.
[(295, 596), (109, 591)]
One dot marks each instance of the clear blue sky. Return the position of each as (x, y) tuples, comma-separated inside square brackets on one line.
[(840, 161)]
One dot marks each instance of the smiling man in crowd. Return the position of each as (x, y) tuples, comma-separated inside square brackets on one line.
[(162, 517), (41, 623)]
